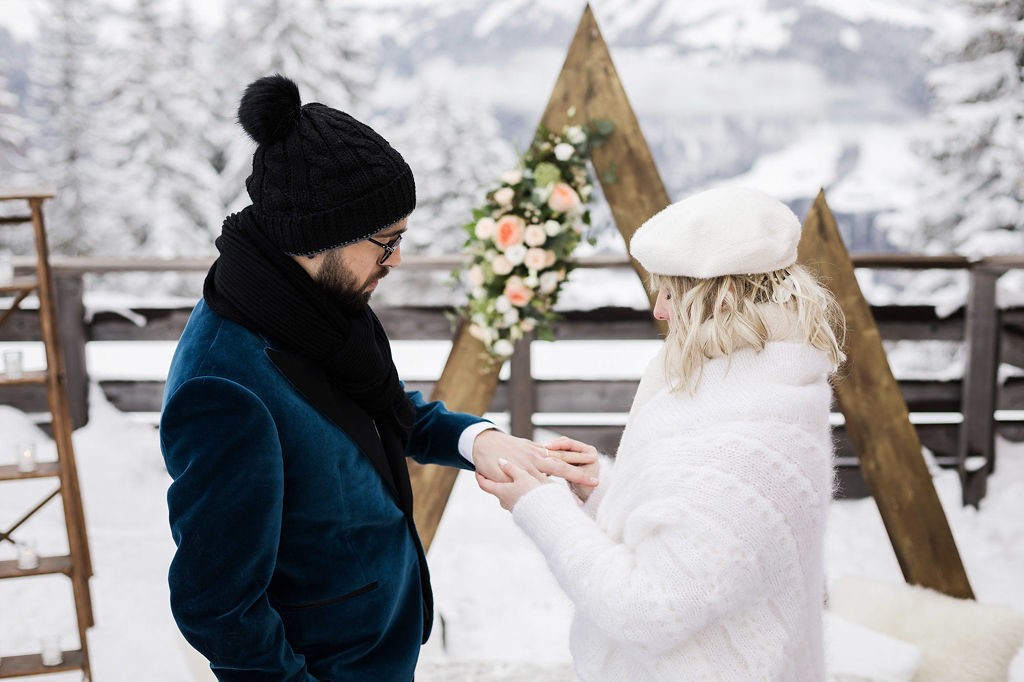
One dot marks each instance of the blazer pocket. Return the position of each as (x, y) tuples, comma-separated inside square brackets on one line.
[(370, 587)]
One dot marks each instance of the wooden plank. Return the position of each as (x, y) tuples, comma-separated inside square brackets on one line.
[(522, 389), (979, 384), (32, 664), (12, 193), (10, 472), (879, 426), (1011, 346), (47, 565), (70, 311)]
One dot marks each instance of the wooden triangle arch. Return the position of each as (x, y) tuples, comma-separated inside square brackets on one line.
[(892, 459)]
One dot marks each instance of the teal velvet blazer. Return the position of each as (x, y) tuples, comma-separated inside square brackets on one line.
[(294, 558)]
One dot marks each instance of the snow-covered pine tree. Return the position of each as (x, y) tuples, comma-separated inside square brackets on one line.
[(456, 152), (318, 44), (12, 126), (972, 190), (164, 200), (61, 120)]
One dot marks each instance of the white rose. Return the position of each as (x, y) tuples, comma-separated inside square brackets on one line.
[(515, 254), (535, 235), (552, 228), (575, 134), (532, 280), (480, 333), (502, 304), (504, 196), (564, 151), (536, 259), (501, 265), (502, 347), (511, 317), (484, 228), (475, 276), (549, 282), (512, 177), (528, 324)]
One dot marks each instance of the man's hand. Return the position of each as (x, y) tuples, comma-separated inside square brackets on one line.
[(534, 459)]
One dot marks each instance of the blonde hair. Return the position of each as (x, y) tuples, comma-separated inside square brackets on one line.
[(713, 317)]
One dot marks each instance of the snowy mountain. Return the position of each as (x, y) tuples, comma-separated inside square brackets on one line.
[(788, 95)]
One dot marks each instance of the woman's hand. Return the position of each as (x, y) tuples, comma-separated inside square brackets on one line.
[(582, 456), (509, 493)]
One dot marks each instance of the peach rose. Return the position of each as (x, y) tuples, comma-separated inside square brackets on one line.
[(501, 266), (535, 235), (563, 198), (517, 293), (536, 259), (528, 324), (550, 258), (509, 231)]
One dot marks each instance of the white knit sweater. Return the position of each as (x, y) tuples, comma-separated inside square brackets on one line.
[(700, 556)]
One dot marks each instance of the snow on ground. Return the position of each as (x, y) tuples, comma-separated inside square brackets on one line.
[(500, 614)]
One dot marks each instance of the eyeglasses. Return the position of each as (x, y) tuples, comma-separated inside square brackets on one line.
[(389, 248)]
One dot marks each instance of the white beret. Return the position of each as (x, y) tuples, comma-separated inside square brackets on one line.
[(723, 231)]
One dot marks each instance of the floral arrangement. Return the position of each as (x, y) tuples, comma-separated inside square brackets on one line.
[(520, 240)]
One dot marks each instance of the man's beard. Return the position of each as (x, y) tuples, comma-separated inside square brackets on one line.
[(340, 283)]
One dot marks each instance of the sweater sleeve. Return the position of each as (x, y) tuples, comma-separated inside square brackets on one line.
[(686, 555), (221, 448)]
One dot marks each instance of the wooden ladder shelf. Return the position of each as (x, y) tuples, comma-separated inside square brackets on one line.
[(76, 564)]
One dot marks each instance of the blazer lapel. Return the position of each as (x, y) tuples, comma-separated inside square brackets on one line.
[(312, 383)]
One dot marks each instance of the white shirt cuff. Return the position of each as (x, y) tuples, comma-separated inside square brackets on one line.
[(469, 435)]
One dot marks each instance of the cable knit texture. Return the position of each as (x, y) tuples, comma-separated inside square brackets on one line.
[(702, 558)]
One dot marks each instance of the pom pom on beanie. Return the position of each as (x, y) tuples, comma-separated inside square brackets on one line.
[(270, 109)]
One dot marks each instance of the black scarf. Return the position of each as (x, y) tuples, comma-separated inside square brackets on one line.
[(264, 290)]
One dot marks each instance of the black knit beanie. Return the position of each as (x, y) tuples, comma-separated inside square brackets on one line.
[(320, 178)]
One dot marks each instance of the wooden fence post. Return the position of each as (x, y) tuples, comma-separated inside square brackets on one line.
[(976, 451), (71, 321), (522, 391)]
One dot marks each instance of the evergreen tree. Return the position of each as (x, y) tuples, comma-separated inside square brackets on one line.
[(165, 202), (61, 120), (316, 43), (456, 152), (12, 135), (972, 192)]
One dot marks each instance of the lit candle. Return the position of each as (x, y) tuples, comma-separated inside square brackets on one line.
[(12, 364), (27, 557), (26, 457), (50, 650)]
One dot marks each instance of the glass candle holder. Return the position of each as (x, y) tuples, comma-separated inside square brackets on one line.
[(50, 650), (27, 557), (26, 455), (13, 366)]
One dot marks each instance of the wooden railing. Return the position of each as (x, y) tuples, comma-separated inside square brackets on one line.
[(955, 418)]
